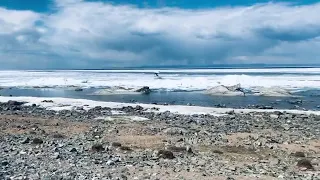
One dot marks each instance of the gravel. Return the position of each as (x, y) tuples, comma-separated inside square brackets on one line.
[(43, 144)]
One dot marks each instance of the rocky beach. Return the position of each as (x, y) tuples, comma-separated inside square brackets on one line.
[(159, 90), (136, 142)]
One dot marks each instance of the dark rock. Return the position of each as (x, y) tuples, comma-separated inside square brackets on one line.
[(78, 89), (125, 148), (138, 108), (230, 178), (15, 103), (116, 144), (189, 149), (37, 141), (58, 136), (16, 108), (123, 177), (47, 101), (278, 113), (217, 152), (25, 141), (298, 154), (155, 109), (180, 140), (180, 149), (97, 148), (165, 154), (305, 163), (220, 106), (73, 150), (144, 90), (5, 163)]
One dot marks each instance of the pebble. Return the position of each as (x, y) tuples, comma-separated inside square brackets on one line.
[(73, 150), (51, 155), (110, 162)]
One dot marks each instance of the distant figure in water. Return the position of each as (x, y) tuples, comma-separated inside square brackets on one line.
[(157, 75)]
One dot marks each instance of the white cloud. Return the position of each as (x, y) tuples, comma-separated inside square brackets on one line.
[(94, 35)]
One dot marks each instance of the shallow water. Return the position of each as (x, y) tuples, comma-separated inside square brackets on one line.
[(310, 99), (177, 86)]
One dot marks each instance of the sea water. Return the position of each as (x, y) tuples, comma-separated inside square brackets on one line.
[(172, 79), (176, 86)]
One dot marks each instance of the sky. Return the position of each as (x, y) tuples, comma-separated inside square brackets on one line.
[(97, 34)]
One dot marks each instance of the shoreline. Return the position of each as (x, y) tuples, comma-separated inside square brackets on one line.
[(70, 103)]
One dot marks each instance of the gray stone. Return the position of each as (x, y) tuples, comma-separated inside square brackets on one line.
[(110, 162)]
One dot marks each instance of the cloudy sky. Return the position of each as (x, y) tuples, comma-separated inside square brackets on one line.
[(41, 34)]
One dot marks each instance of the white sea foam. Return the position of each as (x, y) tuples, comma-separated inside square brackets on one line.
[(171, 79), (267, 70), (68, 104)]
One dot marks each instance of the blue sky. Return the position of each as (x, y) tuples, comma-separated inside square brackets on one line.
[(101, 34)]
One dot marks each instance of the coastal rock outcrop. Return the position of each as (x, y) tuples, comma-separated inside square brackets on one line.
[(222, 90), (237, 90), (271, 91), (123, 90)]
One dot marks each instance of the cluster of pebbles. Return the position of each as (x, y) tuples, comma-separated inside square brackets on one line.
[(100, 144)]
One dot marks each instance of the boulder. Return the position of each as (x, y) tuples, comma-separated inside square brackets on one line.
[(222, 90), (144, 90)]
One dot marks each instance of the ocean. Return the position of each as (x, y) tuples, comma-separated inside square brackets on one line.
[(176, 86)]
